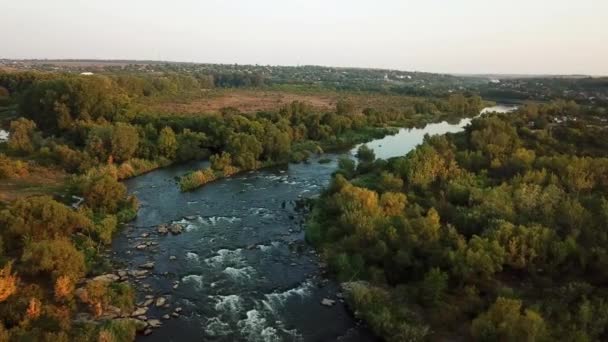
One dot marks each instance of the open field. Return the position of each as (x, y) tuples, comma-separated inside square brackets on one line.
[(246, 101), (38, 181), (251, 101)]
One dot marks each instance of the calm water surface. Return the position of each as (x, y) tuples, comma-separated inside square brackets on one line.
[(242, 269)]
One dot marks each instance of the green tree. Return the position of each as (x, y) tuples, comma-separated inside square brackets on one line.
[(504, 321), (245, 150), (365, 154), (433, 286), (125, 140), (41, 217), (21, 138), (58, 257), (103, 193), (167, 143)]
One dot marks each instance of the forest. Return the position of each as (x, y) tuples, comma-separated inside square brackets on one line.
[(92, 131), (493, 234)]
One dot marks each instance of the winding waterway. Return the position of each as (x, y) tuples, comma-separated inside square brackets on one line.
[(241, 270)]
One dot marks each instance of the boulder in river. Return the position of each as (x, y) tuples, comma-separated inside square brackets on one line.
[(162, 229), (160, 301), (154, 323), (139, 312), (176, 229)]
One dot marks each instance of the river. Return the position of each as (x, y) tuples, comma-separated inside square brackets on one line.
[(241, 270)]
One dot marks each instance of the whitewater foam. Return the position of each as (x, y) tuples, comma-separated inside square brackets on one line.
[(255, 328), (276, 300), (226, 257), (190, 256), (230, 304), (239, 274), (195, 279)]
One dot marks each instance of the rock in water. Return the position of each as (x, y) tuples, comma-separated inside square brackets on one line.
[(328, 302), (154, 323), (107, 278), (176, 229), (148, 265), (160, 301), (139, 312), (162, 229)]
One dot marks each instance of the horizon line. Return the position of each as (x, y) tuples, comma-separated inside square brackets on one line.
[(151, 61)]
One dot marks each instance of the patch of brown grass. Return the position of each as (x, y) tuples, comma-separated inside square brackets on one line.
[(246, 101), (39, 180), (250, 101)]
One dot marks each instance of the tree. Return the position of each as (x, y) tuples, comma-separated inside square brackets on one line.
[(8, 282), (104, 193), (276, 143), (365, 154), (390, 182), (190, 145), (57, 257), (125, 141), (41, 217), (346, 167), (167, 143), (425, 165), (64, 288), (345, 107), (504, 321), (393, 203), (480, 257), (22, 135), (220, 161), (245, 150), (57, 104), (433, 286)]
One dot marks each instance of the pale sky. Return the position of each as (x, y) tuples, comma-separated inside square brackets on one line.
[(454, 36)]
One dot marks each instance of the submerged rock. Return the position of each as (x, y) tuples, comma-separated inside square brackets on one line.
[(328, 302), (148, 265)]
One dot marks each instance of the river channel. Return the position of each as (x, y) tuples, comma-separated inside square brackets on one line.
[(241, 271)]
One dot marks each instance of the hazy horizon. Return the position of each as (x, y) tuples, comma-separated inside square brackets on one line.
[(468, 37)]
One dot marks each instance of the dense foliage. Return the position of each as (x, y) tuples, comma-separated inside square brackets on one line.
[(496, 233)]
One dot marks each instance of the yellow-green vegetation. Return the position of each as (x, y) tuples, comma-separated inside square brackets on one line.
[(493, 234), (298, 130)]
